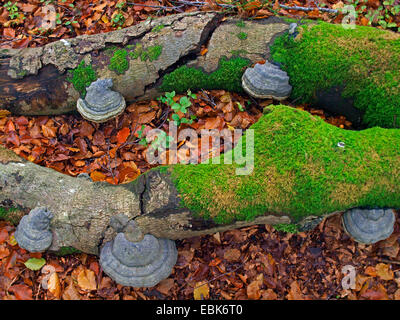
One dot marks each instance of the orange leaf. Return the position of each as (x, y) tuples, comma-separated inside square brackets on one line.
[(54, 285), (87, 280), (123, 134), (21, 292), (203, 51), (97, 176), (383, 271)]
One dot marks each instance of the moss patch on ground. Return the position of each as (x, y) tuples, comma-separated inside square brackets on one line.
[(300, 170), (227, 76), (364, 61)]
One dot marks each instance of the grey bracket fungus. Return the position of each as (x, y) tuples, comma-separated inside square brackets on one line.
[(33, 232), (266, 81), (101, 103), (368, 226), (138, 264)]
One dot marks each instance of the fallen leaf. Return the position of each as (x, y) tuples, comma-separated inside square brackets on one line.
[(35, 264), (54, 286), (165, 286), (295, 292), (87, 280), (383, 271), (201, 291), (70, 293), (21, 292), (232, 255), (253, 289), (123, 135)]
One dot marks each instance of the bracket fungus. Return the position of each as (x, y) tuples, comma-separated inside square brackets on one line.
[(33, 232), (101, 103), (142, 263), (266, 81), (368, 225)]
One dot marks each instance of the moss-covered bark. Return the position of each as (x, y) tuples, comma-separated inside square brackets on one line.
[(302, 166), (361, 64)]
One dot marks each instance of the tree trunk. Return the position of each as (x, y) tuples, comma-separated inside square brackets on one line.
[(40, 81), (82, 209), (300, 172)]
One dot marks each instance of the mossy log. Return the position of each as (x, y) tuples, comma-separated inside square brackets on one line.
[(353, 72), (49, 80), (303, 169)]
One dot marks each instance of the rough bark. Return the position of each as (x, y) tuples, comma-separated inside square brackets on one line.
[(82, 209), (34, 81)]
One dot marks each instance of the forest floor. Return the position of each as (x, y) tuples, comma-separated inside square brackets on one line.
[(256, 262)]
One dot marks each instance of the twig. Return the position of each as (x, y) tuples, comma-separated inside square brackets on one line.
[(389, 261), (297, 8)]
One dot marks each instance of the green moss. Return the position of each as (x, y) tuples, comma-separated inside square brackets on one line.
[(227, 76), (158, 28), (242, 35), (81, 77), (365, 62), (286, 227), (66, 251), (119, 61), (240, 24), (151, 53), (299, 170)]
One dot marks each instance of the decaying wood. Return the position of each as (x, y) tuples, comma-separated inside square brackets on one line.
[(82, 209), (34, 81)]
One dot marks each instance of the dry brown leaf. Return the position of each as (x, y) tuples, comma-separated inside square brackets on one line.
[(70, 293), (295, 292), (54, 286), (232, 255), (165, 286), (253, 289), (87, 280), (384, 272)]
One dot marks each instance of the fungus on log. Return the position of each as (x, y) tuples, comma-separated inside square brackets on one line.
[(33, 232), (101, 103), (369, 225), (303, 168)]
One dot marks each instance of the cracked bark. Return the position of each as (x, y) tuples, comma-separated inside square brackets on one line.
[(82, 209), (33, 81)]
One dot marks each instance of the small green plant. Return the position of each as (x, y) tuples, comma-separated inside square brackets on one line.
[(240, 107), (181, 106), (162, 140), (242, 35), (12, 9), (118, 18), (142, 138), (286, 227)]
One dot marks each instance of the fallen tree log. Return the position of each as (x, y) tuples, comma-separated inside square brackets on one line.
[(303, 169), (50, 79), (353, 72)]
